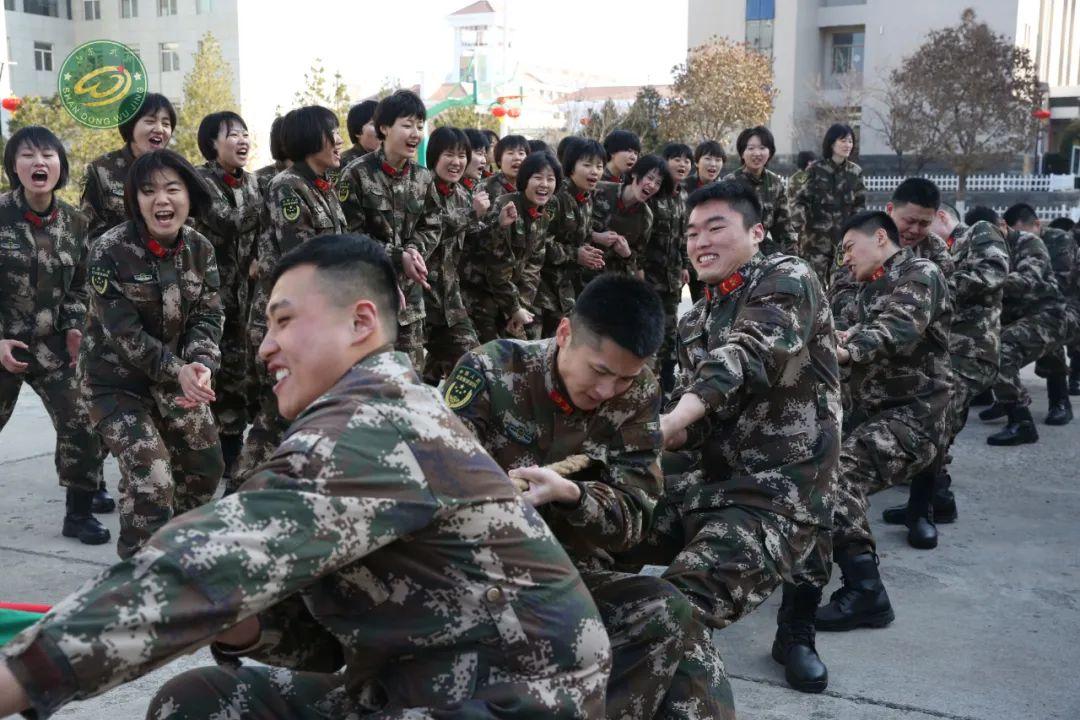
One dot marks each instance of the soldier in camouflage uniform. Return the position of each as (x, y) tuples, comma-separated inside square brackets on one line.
[(277, 151), (360, 124), (231, 224), (151, 349), (302, 205), (42, 309), (757, 409), (509, 153), (622, 149), (500, 286), (756, 148), (384, 194), (832, 192), (897, 352), (380, 561), (1034, 321), (535, 403), (624, 209), (450, 332)]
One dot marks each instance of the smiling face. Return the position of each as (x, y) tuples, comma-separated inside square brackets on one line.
[(540, 187), (327, 158), (451, 164), (38, 168), (842, 148), (642, 189), (511, 161), (708, 167), (623, 161), (164, 205), (717, 241), (403, 137), (593, 369), (232, 145), (587, 172), (151, 132), (679, 167), (913, 221), (755, 156)]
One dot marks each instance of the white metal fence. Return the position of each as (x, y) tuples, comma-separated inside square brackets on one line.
[(980, 183), (1045, 212)]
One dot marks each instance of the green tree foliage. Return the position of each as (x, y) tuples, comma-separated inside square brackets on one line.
[(319, 89), (207, 89), (465, 117), (645, 118), (598, 123)]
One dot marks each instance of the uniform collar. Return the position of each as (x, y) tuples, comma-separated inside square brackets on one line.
[(469, 183), (230, 179), (445, 189), (159, 251), (304, 170), (506, 184), (582, 197), (556, 390), (32, 217), (533, 211), (389, 169), (734, 281)]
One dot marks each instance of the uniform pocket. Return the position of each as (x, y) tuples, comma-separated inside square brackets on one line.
[(142, 292)]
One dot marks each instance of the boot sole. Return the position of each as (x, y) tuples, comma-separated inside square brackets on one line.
[(1011, 443), (812, 687), (878, 620), (922, 545), (946, 520), (84, 541), (1058, 423)]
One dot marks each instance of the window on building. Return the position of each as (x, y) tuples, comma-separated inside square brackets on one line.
[(170, 57), (48, 8), (43, 56), (166, 7), (92, 9), (204, 7), (760, 16), (847, 53), (129, 8), (9, 4), (838, 3)]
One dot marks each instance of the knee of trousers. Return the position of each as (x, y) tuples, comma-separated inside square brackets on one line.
[(648, 610), (196, 693)]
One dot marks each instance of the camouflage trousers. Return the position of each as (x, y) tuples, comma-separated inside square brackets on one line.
[(410, 340), (1056, 362), (1022, 343), (548, 321), (231, 382), (667, 357), (969, 378), (267, 429), (79, 452), (444, 347), (884, 451), (170, 460), (489, 321), (818, 248)]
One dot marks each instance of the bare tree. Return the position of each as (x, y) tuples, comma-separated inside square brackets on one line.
[(840, 104), (888, 114)]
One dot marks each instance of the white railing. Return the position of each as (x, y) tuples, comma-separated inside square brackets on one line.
[(979, 183), (1045, 212)]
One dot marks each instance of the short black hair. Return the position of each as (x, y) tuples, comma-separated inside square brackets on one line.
[(836, 131), (981, 213), (709, 147), (401, 104), (623, 309), (156, 161), (739, 195), (277, 148), (359, 115), (533, 164), (210, 127), (492, 136), (645, 165), (620, 141), (869, 222), (41, 138), (510, 142), (443, 139), (538, 146), (804, 158), (950, 210), (1021, 214), (564, 142), (580, 148), (353, 267), (305, 130), (478, 140), (1062, 223), (150, 106), (676, 150), (917, 191), (764, 136)]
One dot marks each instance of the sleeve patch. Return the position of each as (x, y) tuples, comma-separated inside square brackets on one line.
[(462, 386), (290, 208), (99, 279)]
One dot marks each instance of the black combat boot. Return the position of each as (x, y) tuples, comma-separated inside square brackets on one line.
[(983, 399), (922, 533), (994, 412), (794, 644), (944, 504), (1019, 431), (1074, 377), (861, 601), (230, 452), (1057, 389), (102, 502), (79, 522)]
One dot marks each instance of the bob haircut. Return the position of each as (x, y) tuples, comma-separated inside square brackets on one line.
[(402, 104), (621, 141), (709, 147), (510, 142), (645, 165), (478, 140), (536, 163), (143, 169), (210, 128), (837, 131), (763, 135), (277, 149), (151, 105), (492, 136), (443, 139), (579, 149), (41, 138), (677, 150), (359, 115), (305, 130)]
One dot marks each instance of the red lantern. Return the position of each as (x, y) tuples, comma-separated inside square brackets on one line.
[(498, 111), (513, 112), (11, 104), (1041, 114)]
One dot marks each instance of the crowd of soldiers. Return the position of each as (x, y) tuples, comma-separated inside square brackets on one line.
[(456, 410)]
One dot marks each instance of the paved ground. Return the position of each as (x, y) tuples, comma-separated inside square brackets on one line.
[(987, 625)]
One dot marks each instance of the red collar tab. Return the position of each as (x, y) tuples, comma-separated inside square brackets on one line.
[(534, 212), (158, 251), (509, 186), (393, 171), (581, 197), (700, 182), (616, 178), (231, 180), (323, 184), (629, 210), (38, 221), (731, 283), (469, 183), (444, 188), (878, 274), (951, 240), (485, 174), (561, 402)]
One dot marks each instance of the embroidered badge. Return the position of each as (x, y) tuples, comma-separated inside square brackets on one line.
[(99, 279), (290, 208), (462, 386), (342, 191)]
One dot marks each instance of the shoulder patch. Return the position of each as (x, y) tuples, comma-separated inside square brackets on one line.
[(342, 190), (462, 386), (290, 208), (99, 279)]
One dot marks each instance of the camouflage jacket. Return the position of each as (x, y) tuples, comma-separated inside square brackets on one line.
[(665, 255), (388, 205), (570, 226), (693, 182), (634, 223), (42, 276), (150, 314), (103, 191), (380, 538), (497, 185), (610, 177), (515, 254), (1064, 261), (1030, 286), (794, 183), (353, 153), (758, 350), (452, 205), (828, 196), (899, 345), (982, 263), (267, 173), (772, 193), (510, 394), (232, 224)]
